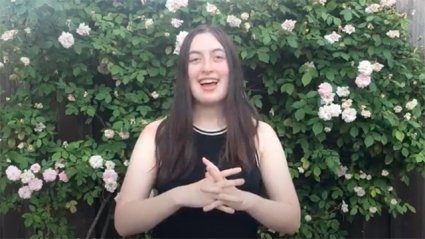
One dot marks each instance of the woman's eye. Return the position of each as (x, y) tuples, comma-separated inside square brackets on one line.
[(194, 59), (219, 57)]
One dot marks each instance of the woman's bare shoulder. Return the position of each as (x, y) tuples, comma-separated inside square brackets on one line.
[(151, 128), (265, 129)]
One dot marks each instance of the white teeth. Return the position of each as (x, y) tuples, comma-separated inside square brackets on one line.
[(208, 81)]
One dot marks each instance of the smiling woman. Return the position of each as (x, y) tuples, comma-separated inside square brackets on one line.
[(208, 166), (208, 71)]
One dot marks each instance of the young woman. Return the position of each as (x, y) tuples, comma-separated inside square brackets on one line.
[(210, 158)]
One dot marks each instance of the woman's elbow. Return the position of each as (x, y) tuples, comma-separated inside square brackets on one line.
[(294, 223), (121, 228), (294, 227), (124, 225)]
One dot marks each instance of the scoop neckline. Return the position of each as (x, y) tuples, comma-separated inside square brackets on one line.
[(209, 132)]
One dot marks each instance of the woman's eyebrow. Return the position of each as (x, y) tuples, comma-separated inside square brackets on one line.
[(213, 50)]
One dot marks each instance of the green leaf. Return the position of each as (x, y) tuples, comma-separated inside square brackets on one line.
[(317, 128), (368, 141), (307, 77), (292, 42), (332, 163), (299, 114), (337, 21), (243, 54), (264, 57), (354, 131), (298, 104), (287, 88), (347, 15), (317, 171), (314, 198), (266, 39), (116, 70), (398, 135)]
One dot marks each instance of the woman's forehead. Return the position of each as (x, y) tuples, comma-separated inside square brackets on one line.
[(205, 42)]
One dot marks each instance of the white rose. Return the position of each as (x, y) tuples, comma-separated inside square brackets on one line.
[(288, 25), (307, 218), (233, 21), (349, 29), (393, 34), (96, 161), (25, 60), (176, 23), (109, 164), (384, 173), (8, 35), (71, 98), (347, 104), (349, 115), (411, 104), (155, 95), (148, 22), (344, 207), (124, 135), (211, 8), (388, 3), (373, 210), (407, 116), (365, 67), (247, 26), (366, 113), (398, 109), (245, 16), (174, 5), (179, 41), (372, 8), (343, 91), (83, 29), (109, 133), (66, 39), (377, 67), (333, 37)]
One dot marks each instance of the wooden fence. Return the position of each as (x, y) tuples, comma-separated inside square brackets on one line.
[(405, 226)]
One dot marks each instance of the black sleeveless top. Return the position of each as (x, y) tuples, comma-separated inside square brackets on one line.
[(193, 222)]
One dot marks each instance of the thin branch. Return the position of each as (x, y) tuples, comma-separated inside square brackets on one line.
[(96, 219)]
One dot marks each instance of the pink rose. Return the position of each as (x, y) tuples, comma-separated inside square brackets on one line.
[(325, 90), (35, 168), (63, 177), (110, 176), (13, 173), (35, 184), (25, 192), (49, 175), (362, 80)]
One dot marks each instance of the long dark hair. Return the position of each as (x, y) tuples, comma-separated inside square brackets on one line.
[(174, 143)]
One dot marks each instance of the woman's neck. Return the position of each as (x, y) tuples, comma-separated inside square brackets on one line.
[(209, 118)]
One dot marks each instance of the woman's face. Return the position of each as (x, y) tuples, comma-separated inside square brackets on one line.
[(208, 70)]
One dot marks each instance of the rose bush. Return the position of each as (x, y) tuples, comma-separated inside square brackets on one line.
[(338, 80)]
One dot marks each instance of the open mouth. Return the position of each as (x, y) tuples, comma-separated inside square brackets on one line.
[(207, 82)]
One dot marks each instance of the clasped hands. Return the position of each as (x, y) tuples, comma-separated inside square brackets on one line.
[(223, 192)]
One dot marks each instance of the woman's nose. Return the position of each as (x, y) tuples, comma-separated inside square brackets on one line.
[(207, 65)]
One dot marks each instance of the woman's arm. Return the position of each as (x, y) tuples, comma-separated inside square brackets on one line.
[(281, 211), (135, 212)]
